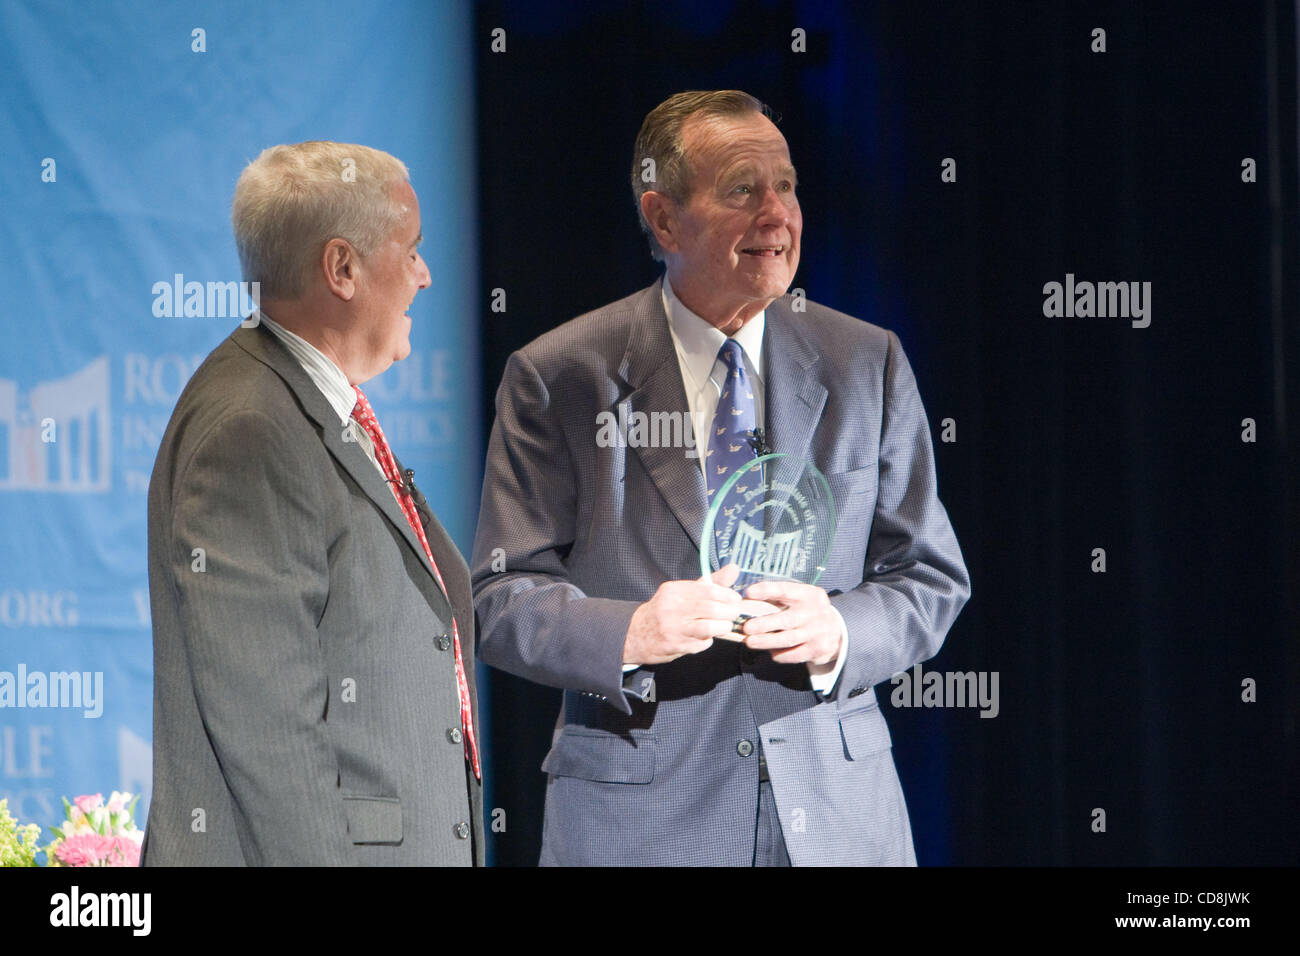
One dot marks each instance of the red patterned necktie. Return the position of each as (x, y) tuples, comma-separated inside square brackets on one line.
[(364, 416)]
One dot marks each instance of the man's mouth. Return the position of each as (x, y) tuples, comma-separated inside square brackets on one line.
[(764, 252)]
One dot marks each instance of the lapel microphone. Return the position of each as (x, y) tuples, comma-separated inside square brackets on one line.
[(406, 483), (757, 439)]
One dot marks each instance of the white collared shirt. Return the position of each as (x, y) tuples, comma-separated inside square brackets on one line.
[(327, 377), (703, 374)]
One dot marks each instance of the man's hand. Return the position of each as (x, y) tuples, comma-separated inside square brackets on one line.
[(805, 630), (682, 618)]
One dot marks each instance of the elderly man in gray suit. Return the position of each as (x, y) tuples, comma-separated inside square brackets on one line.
[(313, 626), (672, 747)]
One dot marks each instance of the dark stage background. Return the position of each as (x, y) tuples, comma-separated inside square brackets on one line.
[(1119, 690)]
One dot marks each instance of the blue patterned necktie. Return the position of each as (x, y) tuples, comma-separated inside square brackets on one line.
[(734, 422)]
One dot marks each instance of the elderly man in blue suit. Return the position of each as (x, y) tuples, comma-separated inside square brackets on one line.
[(675, 747)]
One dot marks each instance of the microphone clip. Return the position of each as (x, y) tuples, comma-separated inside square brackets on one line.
[(757, 439)]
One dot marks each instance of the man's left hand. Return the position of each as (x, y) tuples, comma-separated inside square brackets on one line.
[(806, 629)]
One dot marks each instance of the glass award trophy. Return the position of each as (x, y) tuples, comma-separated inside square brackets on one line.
[(774, 519)]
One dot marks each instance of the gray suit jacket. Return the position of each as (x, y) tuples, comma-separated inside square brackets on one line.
[(659, 766), (304, 685)]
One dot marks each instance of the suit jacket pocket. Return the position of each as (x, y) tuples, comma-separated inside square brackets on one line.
[(864, 732), (847, 485), (603, 758), (374, 819)]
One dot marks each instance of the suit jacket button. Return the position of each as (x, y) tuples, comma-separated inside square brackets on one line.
[(454, 735), (444, 642), (462, 830), (744, 748)]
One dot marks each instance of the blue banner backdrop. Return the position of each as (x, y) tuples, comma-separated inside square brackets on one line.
[(124, 128)]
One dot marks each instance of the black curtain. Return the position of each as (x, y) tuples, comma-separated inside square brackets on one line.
[(1120, 690)]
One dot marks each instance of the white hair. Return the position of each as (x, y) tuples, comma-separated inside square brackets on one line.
[(292, 200)]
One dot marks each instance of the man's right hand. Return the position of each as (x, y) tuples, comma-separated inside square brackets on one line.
[(682, 618)]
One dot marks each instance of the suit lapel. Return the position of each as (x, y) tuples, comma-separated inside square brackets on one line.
[(794, 398), (650, 367), (793, 395), (261, 343), (451, 564)]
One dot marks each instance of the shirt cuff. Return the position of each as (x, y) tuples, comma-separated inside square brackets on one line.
[(824, 683)]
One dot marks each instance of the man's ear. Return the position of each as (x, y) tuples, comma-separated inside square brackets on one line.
[(661, 213), (338, 264)]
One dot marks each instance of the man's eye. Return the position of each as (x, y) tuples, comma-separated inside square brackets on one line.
[(742, 188)]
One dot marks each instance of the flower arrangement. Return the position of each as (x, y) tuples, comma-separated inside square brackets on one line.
[(97, 834), (17, 843)]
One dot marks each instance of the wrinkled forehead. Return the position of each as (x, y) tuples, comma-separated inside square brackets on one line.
[(715, 142)]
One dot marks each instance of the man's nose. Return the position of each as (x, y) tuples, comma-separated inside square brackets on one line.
[(425, 279), (775, 210)]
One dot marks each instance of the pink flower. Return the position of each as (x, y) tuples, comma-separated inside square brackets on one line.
[(92, 849), (125, 852), (89, 802), (84, 849), (118, 801)]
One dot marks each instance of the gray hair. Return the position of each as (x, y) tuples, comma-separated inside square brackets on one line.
[(660, 142), (292, 200)]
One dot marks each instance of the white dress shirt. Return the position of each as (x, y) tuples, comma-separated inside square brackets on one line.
[(331, 381)]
